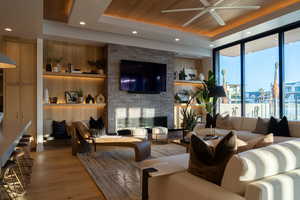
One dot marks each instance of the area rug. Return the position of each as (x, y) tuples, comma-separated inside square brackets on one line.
[(116, 173)]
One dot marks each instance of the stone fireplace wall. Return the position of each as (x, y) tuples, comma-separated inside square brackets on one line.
[(122, 105)]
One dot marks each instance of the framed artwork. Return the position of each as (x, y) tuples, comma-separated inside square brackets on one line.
[(71, 97)]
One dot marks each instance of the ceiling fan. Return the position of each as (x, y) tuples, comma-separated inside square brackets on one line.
[(209, 8)]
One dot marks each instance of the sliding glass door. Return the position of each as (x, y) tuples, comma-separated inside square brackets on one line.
[(261, 77), (261, 74), (292, 74), (230, 79)]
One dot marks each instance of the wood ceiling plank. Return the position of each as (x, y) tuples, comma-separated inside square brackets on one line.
[(149, 11), (58, 10)]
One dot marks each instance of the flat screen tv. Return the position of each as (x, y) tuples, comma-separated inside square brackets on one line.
[(142, 77)]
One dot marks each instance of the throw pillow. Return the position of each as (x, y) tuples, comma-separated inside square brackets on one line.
[(96, 124), (279, 128), (59, 130), (262, 126), (208, 162), (224, 122), (211, 121)]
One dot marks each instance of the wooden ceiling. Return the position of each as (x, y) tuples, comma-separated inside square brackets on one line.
[(149, 11), (58, 10)]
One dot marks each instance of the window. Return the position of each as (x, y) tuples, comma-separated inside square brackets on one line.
[(292, 78), (265, 77), (261, 77), (230, 78)]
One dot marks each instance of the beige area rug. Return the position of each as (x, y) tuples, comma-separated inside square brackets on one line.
[(115, 171)]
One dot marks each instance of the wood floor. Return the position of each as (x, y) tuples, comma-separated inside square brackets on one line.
[(59, 175)]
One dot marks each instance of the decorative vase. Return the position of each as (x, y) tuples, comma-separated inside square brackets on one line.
[(201, 77), (46, 96)]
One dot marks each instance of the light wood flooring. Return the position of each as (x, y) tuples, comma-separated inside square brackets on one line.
[(57, 175)]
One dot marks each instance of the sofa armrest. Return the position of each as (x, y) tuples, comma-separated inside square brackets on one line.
[(161, 169), (183, 185)]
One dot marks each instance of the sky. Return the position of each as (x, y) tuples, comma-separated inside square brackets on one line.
[(260, 67)]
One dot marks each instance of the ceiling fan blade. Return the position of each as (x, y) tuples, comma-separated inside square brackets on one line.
[(205, 3), (182, 10), (238, 7), (218, 2), (217, 17), (195, 17)]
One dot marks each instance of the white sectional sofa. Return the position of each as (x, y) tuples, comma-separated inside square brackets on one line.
[(268, 173), (243, 128)]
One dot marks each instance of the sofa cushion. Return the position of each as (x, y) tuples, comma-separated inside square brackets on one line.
[(280, 187), (279, 128), (236, 122), (294, 127), (208, 162), (224, 122), (255, 164), (262, 126), (248, 124)]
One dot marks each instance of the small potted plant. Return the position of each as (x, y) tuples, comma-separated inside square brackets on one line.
[(98, 64)]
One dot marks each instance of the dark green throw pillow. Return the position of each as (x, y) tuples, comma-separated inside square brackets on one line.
[(209, 163)]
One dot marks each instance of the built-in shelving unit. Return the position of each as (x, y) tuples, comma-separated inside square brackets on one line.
[(57, 83), (191, 66)]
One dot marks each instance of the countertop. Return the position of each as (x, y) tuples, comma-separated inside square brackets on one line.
[(10, 135)]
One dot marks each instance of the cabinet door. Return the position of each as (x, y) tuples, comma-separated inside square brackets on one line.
[(12, 102), (28, 107), (28, 63), (12, 50)]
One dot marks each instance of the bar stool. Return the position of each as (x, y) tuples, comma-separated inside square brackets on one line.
[(11, 181)]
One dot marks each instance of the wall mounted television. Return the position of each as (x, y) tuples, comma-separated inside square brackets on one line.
[(142, 77)]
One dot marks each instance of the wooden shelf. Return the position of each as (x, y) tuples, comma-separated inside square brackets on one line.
[(78, 104), (184, 105), (188, 83), (61, 74)]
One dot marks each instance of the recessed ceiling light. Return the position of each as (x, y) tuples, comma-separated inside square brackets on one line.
[(177, 39), (8, 29), (134, 32), (82, 23), (248, 33)]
